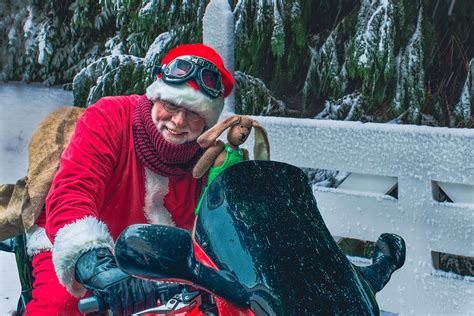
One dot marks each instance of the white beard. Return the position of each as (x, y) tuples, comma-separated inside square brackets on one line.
[(175, 135), (167, 128)]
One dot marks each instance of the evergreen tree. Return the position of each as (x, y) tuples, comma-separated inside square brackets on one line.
[(51, 41), (397, 60), (146, 31), (394, 54), (463, 113)]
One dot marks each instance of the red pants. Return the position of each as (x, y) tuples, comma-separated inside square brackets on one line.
[(49, 296)]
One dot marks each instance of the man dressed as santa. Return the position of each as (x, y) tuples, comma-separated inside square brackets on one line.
[(129, 161)]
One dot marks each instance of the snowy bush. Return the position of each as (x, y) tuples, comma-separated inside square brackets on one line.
[(118, 74), (326, 76), (348, 108), (410, 89), (372, 51), (463, 109), (254, 98), (111, 75), (325, 178)]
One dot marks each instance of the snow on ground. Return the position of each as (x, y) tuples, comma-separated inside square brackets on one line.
[(22, 106), (9, 284)]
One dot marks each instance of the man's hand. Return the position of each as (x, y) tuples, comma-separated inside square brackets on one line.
[(124, 294)]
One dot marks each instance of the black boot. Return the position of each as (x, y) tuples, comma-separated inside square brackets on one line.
[(389, 255)]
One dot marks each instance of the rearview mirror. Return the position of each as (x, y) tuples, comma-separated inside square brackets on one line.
[(166, 253), (153, 251)]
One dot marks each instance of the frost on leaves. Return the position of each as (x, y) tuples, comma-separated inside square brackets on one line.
[(254, 98), (410, 73), (30, 29), (462, 113), (267, 21), (348, 108), (374, 39), (118, 74), (278, 35), (371, 52), (111, 75), (325, 76)]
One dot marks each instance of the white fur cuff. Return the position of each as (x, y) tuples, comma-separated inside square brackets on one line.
[(71, 242), (37, 241)]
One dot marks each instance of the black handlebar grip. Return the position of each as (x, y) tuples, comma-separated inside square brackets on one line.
[(91, 304)]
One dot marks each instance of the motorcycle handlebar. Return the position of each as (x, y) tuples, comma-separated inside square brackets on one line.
[(94, 303), (91, 304)]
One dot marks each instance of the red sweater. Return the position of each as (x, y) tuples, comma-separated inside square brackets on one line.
[(101, 176)]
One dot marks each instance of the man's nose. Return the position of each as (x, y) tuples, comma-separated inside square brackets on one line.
[(179, 119)]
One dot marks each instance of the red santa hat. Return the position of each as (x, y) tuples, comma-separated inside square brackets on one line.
[(188, 95)]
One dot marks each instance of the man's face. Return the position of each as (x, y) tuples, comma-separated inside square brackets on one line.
[(176, 128)]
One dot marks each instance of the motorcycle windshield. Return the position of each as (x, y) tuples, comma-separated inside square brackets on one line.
[(259, 220)]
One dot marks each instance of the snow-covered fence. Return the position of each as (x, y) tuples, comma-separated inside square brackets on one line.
[(418, 157)]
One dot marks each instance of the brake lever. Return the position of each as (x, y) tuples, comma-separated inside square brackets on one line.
[(178, 304)]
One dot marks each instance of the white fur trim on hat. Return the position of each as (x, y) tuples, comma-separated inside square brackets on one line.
[(71, 242), (187, 97)]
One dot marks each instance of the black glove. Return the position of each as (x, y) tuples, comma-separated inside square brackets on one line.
[(97, 270)]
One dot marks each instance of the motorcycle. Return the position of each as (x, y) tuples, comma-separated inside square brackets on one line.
[(259, 247)]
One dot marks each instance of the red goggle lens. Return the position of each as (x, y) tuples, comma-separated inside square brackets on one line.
[(210, 79), (181, 68)]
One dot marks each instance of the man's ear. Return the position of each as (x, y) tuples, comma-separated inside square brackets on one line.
[(208, 138)]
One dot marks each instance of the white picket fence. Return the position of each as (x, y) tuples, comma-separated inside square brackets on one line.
[(417, 157)]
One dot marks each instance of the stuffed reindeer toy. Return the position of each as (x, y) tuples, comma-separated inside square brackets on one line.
[(219, 156)]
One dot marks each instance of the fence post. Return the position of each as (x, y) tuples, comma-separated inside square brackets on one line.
[(218, 32)]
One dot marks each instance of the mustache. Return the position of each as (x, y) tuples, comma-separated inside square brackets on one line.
[(172, 126)]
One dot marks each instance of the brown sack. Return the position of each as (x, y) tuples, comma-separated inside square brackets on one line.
[(11, 199), (27, 199)]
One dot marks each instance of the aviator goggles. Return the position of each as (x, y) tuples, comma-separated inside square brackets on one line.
[(202, 71)]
